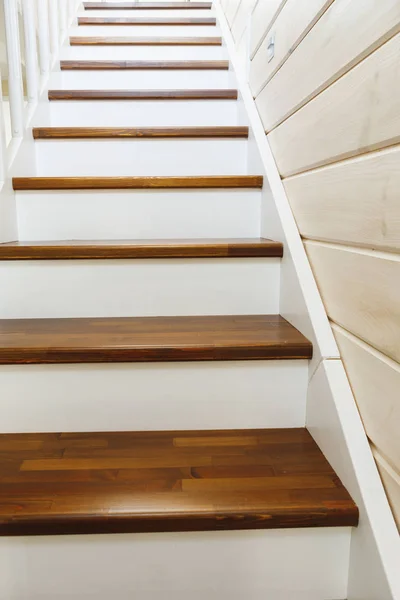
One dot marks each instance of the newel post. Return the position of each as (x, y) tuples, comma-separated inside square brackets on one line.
[(15, 84)]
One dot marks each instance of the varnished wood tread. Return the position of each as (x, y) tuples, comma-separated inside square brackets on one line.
[(46, 133), (144, 65), (114, 249), (150, 339), (160, 21), (146, 5), (143, 94), (127, 482), (132, 183), (145, 41)]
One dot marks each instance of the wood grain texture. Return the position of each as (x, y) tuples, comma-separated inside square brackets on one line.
[(167, 481), (132, 183), (146, 5), (48, 133), (361, 292), (145, 41), (150, 339), (158, 21), (134, 65), (358, 114), (391, 482), (345, 35), (364, 189), (216, 94), (114, 249), (292, 24), (375, 381)]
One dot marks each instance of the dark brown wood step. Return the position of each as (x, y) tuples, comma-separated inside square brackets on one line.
[(150, 339), (143, 94), (135, 482), (46, 133), (132, 183), (148, 249), (157, 21), (134, 65), (145, 41), (146, 5)]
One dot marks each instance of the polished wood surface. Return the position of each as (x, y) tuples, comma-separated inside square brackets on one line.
[(134, 65), (46, 133), (146, 5), (114, 249), (207, 21), (69, 483), (145, 41), (143, 94), (132, 183), (150, 339)]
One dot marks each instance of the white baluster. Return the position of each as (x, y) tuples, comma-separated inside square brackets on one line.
[(53, 20), (3, 162), (15, 85), (63, 10), (71, 10), (44, 37), (30, 50)]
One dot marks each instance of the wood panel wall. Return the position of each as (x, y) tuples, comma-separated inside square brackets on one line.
[(329, 103)]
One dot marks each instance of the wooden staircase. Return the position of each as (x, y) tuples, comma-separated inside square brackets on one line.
[(164, 391)]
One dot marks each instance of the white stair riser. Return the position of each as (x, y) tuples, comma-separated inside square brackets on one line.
[(293, 564), (139, 113), (163, 79), (130, 214), (153, 396), (144, 53), (74, 158), (130, 288)]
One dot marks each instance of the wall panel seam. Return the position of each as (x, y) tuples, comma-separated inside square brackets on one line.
[(271, 24)]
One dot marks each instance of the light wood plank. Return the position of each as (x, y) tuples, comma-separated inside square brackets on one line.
[(356, 201), (359, 113), (361, 292), (263, 17), (391, 483), (347, 33), (241, 18), (230, 10), (291, 26), (375, 381)]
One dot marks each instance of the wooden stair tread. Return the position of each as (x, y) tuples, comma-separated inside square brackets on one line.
[(134, 65), (120, 482), (167, 248), (150, 339), (145, 41), (146, 5), (40, 133), (147, 21), (143, 94), (126, 183)]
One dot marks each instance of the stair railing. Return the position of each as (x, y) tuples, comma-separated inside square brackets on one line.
[(34, 32)]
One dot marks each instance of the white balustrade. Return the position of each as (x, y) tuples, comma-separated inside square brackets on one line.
[(31, 54), (15, 85)]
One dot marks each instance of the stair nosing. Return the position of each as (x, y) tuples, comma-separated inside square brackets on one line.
[(144, 41), (213, 132), (144, 65), (148, 21), (141, 249), (147, 5), (143, 95)]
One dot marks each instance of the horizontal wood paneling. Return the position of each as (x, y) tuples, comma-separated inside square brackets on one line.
[(241, 18), (345, 34), (356, 201), (291, 26), (231, 8), (264, 15), (358, 113), (361, 292), (375, 381), (391, 482)]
